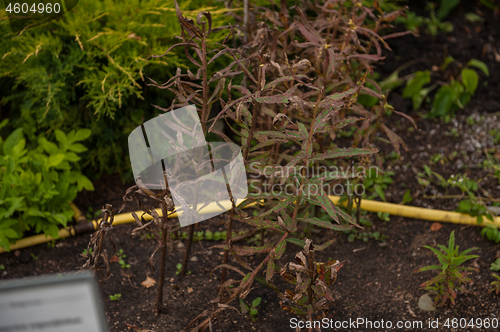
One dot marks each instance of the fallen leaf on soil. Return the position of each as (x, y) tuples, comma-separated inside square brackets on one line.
[(114, 259), (149, 282), (190, 290), (436, 227)]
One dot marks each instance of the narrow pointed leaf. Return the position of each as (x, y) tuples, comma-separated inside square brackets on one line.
[(326, 224)]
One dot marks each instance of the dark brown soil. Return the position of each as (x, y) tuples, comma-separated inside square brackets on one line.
[(378, 282)]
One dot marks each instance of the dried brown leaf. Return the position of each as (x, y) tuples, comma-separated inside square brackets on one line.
[(149, 282)]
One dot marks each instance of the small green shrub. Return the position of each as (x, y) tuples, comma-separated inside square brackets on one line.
[(88, 69), (37, 182), (115, 297), (450, 277), (457, 93), (453, 94)]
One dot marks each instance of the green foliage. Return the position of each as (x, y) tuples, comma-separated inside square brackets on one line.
[(457, 93), (148, 236), (491, 233), (377, 183), (473, 204), (121, 256), (91, 214), (489, 164), (495, 133), (250, 309), (412, 21), (354, 234), (495, 266), (38, 180), (366, 234), (433, 24), (453, 132), (490, 4), (407, 198), (495, 285), (450, 277), (473, 17), (438, 157), (115, 297), (87, 252), (445, 7), (383, 216), (179, 268), (451, 96), (414, 88), (89, 70), (207, 235)]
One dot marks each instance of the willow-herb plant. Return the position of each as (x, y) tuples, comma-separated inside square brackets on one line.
[(283, 97), (312, 280), (451, 276)]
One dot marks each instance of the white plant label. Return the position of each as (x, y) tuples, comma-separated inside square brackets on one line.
[(51, 304)]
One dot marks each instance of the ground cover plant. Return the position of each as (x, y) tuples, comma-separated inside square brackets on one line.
[(451, 277), (280, 87)]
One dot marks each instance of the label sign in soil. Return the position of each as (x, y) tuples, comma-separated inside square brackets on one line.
[(63, 302)]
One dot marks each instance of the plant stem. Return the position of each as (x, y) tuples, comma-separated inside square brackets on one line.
[(204, 66), (358, 204), (161, 276), (309, 288), (204, 117), (188, 250), (229, 231), (101, 241)]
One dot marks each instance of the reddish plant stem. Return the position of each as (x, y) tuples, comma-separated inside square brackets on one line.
[(229, 227), (161, 276), (204, 66), (188, 250), (229, 231), (101, 241), (310, 292), (204, 117)]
